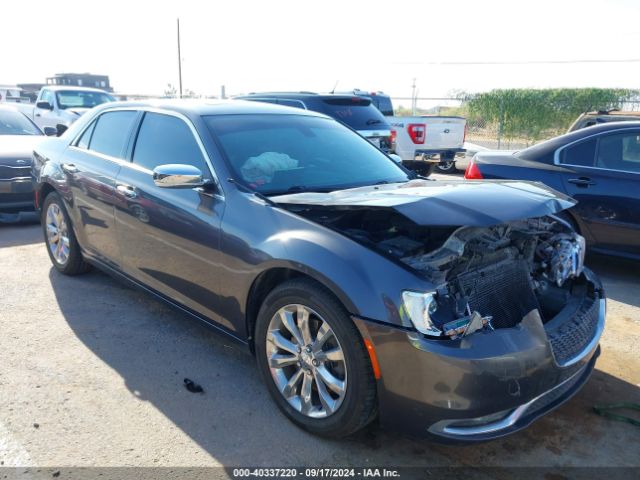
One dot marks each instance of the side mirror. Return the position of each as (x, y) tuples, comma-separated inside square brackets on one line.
[(50, 131), (395, 158), (61, 128), (44, 105), (177, 176)]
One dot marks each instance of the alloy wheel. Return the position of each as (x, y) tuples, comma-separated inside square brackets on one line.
[(57, 234), (306, 361), (447, 166)]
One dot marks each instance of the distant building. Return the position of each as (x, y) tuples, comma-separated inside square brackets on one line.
[(81, 80)]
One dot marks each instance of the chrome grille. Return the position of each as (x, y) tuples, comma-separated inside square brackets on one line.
[(7, 172)]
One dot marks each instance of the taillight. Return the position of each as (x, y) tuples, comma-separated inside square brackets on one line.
[(472, 172), (394, 134), (464, 138), (417, 132)]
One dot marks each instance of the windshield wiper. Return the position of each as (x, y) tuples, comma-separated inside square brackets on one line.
[(246, 189), (373, 121)]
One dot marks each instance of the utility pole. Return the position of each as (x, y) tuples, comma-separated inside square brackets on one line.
[(179, 61), (413, 97)]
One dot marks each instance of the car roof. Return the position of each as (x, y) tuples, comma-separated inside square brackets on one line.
[(8, 107), (197, 107), (301, 95), (614, 113), (56, 88), (548, 146)]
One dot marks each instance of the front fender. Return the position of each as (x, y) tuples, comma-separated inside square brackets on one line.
[(368, 284)]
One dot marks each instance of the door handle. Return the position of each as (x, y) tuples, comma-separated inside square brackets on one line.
[(127, 190), (38, 115), (582, 181), (69, 168)]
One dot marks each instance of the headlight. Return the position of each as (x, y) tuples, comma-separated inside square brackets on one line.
[(419, 307)]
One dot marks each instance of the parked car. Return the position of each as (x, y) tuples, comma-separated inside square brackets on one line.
[(18, 137), (459, 310), (599, 166), (464, 158), (434, 140), (380, 100), (603, 116), (354, 111), (58, 105)]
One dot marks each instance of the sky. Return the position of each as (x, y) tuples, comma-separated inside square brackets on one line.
[(312, 45)]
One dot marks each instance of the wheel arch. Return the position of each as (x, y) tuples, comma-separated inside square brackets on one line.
[(269, 279)]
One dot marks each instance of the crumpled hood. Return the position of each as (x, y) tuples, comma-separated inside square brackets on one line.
[(450, 203), (17, 147)]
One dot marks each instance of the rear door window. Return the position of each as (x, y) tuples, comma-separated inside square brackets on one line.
[(580, 154), (383, 104), (111, 133), (619, 152), (165, 139)]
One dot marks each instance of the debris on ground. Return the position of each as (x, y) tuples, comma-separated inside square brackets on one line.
[(192, 386)]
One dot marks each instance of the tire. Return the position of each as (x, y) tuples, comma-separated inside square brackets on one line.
[(447, 166), (424, 169), (348, 412), (66, 256)]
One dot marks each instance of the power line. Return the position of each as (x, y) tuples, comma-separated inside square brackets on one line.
[(524, 62)]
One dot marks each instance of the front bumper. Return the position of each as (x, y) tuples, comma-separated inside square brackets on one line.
[(16, 194), (484, 386)]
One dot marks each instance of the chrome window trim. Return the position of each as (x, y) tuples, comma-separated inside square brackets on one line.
[(131, 163), (558, 163)]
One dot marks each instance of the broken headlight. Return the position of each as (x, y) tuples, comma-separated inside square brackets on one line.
[(420, 307)]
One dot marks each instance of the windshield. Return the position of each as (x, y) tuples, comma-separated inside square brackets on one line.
[(82, 99), (15, 123), (275, 154)]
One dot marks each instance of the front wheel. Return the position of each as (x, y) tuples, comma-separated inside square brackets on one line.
[(313, 360), (62, 246)]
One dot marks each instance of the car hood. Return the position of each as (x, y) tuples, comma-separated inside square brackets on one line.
[(450, 203), (17, 147)]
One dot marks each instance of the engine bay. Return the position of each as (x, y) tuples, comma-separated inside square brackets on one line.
[(485, 277)]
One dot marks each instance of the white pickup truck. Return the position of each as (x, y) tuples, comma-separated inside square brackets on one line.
[(427, 139), (57, 105)]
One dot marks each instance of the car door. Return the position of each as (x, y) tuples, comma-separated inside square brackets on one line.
[(91, 164), (603, 174), (170, 236), (45, 117)]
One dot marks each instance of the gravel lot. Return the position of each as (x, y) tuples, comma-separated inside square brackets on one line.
[(92, 371)]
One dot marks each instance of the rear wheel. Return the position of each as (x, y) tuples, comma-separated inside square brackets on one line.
[(313, 360), (62, 246), (446, 166)]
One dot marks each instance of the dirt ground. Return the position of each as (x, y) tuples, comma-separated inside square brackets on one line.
[(91, 374)]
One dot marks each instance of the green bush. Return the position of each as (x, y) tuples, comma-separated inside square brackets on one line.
[(532, 113)]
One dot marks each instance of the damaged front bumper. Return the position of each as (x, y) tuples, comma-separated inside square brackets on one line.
[(488, 384)]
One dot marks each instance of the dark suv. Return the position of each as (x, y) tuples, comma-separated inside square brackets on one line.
[(354, 111)]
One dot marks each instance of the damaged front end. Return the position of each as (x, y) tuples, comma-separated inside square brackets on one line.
[(492, 277), (485, 277), (505, 326)]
